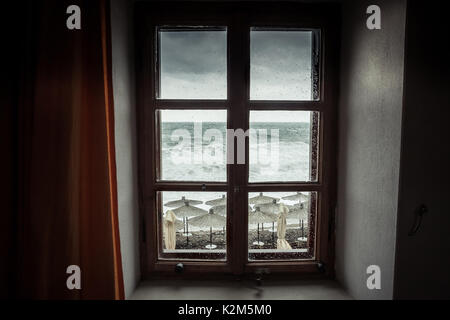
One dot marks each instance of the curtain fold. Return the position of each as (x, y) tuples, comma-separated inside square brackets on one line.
[(68, 188)]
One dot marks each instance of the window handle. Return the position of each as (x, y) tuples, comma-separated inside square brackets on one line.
[(419, 213)]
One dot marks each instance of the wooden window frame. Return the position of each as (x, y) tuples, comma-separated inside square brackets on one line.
[(237, 17)]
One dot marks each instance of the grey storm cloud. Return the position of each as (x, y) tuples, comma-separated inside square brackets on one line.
[(196, 52), (281, 49)]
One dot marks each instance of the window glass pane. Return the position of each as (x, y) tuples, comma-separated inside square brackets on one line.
[(193, 63), (192, 225), (193, 145), (281, 225), (281, 65), (283, 146)]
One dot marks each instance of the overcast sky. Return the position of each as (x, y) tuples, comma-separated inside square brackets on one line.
[(193, 66)]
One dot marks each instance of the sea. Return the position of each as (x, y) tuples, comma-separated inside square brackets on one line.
[(278, 151)]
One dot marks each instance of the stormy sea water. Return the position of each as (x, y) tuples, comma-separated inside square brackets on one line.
[(191, 156)]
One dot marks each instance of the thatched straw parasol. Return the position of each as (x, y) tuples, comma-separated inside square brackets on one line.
[(257, 217), (187, 211), (221, 210), (181, 202), (179, 225), (210, 220), (300, 212), (261, 199), (297, 197), (272, 209), (217, 202)]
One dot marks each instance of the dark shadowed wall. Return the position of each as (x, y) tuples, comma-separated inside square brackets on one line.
[(423, 260)]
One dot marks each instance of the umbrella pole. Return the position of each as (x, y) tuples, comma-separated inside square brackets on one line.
[(187, 231), (273, 232), (210, 237), (303, 230), (299, 223), (262, 226), (258, 233)]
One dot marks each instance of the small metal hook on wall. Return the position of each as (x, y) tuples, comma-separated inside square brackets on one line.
[(419, 213)]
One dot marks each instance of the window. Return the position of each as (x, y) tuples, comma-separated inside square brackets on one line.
[(236, 106), (192, 145), (198, 70), (281, 64)]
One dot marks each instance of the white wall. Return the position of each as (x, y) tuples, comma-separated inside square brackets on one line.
[(126, 139), (370, 112)]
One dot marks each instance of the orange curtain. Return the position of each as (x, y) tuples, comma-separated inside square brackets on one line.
[(67, 187)]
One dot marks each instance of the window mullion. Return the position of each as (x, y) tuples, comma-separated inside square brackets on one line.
[(238, 88)]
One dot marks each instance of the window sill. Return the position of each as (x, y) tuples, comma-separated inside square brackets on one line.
[(239, 290)]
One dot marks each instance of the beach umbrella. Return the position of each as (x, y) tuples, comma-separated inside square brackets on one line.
[(257, 217), (282, 244), (210, 220), (179, 225), (217, 202), (187, 211), (261, 199), (302, 237), (272, 209), (181, 202), (297, 197), (220, 210), (170, 230), (300, 212)]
